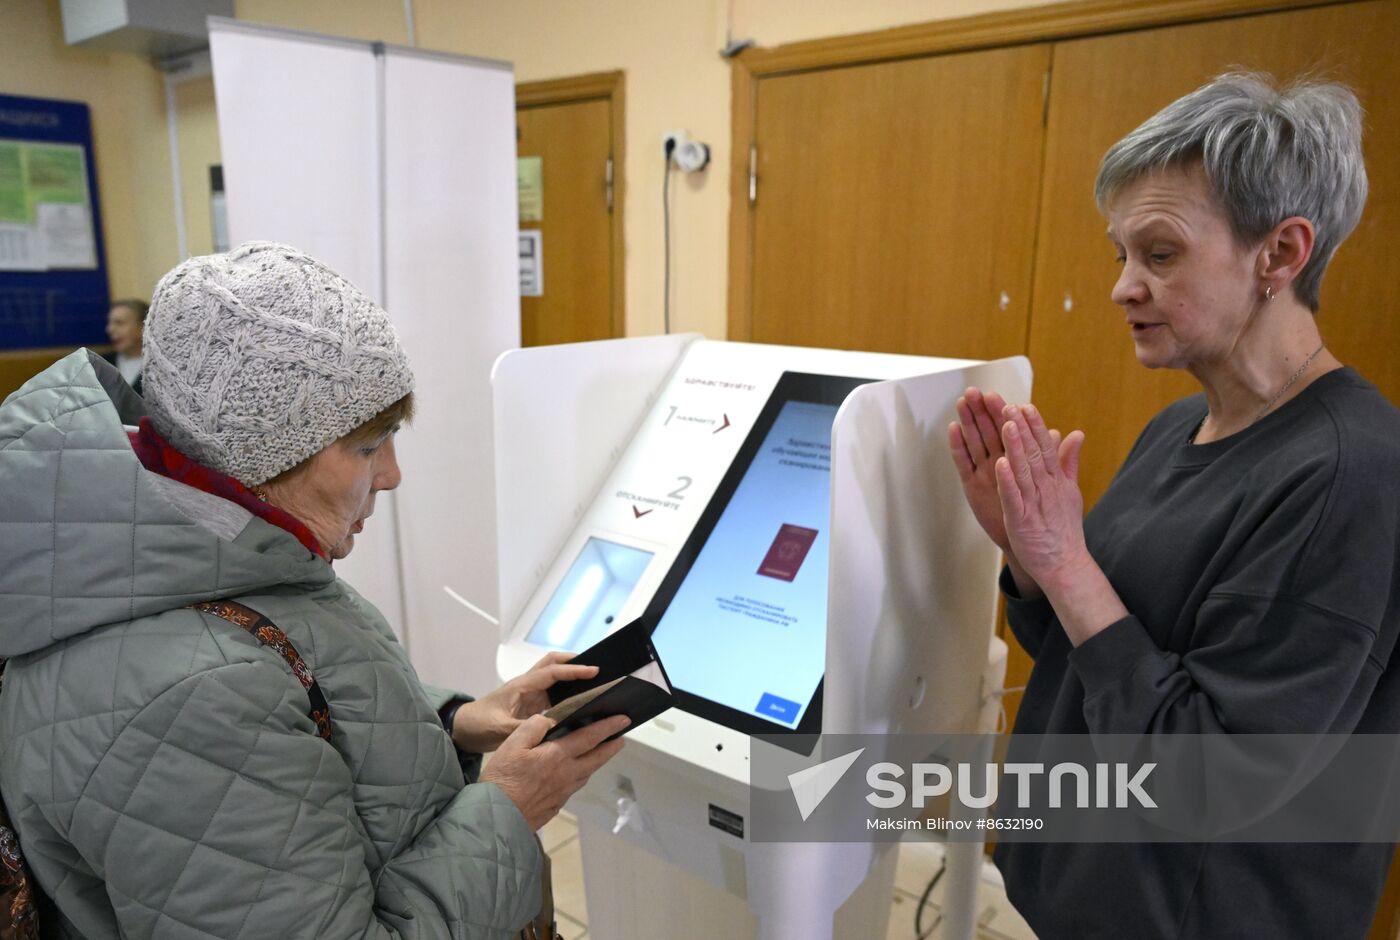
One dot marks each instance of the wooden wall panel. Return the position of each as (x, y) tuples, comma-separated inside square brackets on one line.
[(1085, 371), (896, 204)]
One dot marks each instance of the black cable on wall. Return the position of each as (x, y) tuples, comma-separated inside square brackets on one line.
[(666, 232)]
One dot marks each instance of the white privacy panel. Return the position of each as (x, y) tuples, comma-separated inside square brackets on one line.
[(299, 132), (453, 288), (397, 168)]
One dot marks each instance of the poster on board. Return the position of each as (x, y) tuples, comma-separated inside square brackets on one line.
[(45, 207), (53, 278), (529, 185)]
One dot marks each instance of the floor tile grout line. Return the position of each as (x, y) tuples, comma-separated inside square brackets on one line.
[(560, 912), (573, 921), (550, 851)]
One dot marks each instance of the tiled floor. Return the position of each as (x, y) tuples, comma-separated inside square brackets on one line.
[(918, 863), (560, 840)]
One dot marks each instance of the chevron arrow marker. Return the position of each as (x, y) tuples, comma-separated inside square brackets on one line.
[(811, 785)]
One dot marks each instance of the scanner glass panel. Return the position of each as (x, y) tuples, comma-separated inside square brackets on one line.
[(584, 607)]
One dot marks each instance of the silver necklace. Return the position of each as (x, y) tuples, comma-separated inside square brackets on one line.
[(1272, 401), (1291, 379)]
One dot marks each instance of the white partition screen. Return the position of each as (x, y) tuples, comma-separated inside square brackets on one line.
[(454, 292), (299, 135), (397, 168)]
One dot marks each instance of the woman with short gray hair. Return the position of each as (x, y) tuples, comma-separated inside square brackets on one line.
[(1268, 155), (1242, 572)]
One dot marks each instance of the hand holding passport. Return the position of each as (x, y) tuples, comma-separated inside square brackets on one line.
[(630, 681)]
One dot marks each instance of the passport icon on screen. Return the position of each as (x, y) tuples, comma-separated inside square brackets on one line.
[(787, 552)]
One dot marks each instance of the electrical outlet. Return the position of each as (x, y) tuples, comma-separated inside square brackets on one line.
[(685, 154)]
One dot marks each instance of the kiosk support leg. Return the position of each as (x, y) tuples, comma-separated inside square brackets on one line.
[(963, 871), (964, 860)]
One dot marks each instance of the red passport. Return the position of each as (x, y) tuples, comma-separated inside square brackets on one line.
[(787, 552)]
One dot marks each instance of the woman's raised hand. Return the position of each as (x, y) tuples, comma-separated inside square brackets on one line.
[(975, 440), (1042, 507)]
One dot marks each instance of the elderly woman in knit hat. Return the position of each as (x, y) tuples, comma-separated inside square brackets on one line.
[(171, 774)]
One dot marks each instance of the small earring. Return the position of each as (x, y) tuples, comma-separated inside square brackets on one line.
[(1269, 293)]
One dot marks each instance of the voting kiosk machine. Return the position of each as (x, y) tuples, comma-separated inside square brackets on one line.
[(791, 524)]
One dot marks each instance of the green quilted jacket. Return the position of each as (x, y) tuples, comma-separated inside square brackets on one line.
[(160, 765)]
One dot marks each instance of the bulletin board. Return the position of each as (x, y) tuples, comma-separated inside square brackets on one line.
[(53, 269)]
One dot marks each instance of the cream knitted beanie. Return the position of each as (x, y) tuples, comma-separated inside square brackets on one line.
[(258, 358)]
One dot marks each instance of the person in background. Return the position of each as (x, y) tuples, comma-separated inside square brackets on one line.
[(168, 773), (1242, 572), (125, 323)]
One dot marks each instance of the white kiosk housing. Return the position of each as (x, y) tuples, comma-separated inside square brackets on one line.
[(607, 454)]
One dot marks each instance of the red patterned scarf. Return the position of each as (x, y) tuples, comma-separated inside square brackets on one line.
[(157, 456)]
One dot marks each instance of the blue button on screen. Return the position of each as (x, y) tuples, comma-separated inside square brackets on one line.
[(780, 709)]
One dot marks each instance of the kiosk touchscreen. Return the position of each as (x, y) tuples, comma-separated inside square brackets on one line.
[(740, 619)]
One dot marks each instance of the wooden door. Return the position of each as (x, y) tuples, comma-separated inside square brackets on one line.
[(19, 366), (896, 202), (1086, 374), (580, 223)]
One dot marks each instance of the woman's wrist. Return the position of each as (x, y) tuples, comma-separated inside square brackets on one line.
[(1026, 586), (472, 731), (1084, 599)]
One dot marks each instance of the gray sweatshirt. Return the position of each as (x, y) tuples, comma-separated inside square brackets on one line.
[(1262, 573)]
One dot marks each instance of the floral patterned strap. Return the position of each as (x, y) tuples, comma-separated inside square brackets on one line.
[(267, 633), (19, 913)]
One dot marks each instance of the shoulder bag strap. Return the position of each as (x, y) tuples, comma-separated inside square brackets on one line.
[(543, 925), (267, 633)]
